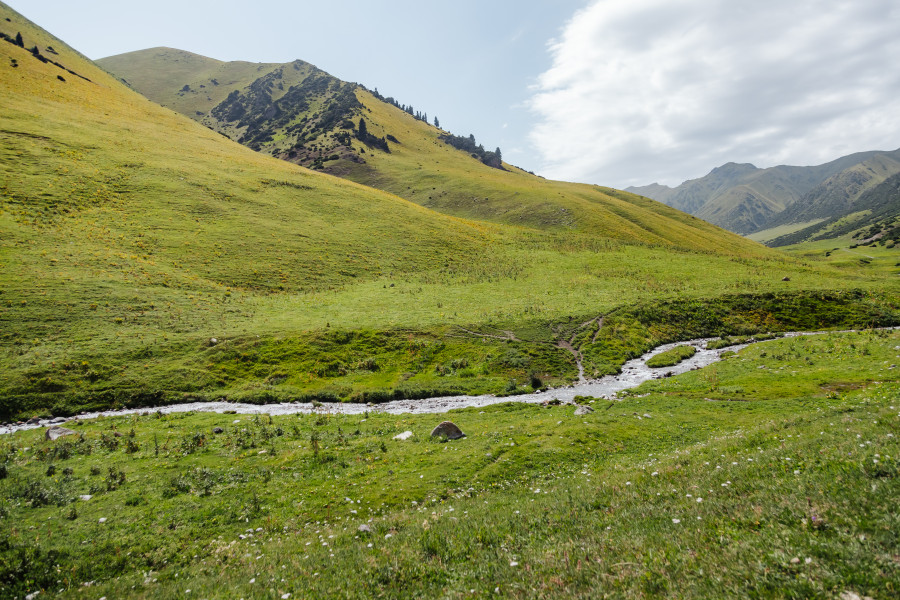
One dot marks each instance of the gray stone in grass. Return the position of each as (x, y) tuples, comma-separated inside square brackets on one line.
[(583, 410), (56, 432), (448, 430), (218, 430)]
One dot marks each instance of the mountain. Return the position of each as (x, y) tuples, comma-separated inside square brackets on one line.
[(299, 113), (745, 199), (873, 216), (837, 195)]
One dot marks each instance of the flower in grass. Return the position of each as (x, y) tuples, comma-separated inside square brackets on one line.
[(676, 521), (513, 563), (699, 500)]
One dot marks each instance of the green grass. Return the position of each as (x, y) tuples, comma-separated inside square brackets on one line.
[(804, 467), (770, 234), (672, 357), (727, 341)]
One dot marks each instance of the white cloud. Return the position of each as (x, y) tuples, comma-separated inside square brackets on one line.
[(664, 90)]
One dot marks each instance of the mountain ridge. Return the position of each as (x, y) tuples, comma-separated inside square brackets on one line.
[(396, 152), (746, 199)]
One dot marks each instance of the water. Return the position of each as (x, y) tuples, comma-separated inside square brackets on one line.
[(634, 373)]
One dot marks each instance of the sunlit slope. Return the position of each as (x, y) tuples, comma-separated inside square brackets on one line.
[(301, 114), (424, 169), (98, 157)]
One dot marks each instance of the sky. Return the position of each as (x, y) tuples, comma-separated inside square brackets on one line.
[(613, 92)]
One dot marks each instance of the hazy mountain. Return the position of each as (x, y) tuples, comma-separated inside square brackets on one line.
[(874, 214), (745, 199)]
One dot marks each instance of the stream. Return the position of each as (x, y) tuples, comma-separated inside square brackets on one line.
[(634, 373)]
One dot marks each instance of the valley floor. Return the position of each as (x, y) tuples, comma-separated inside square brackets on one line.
[(771, 474)]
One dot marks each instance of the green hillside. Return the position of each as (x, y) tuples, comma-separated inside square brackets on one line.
[(872, 218), (301, 114), (148, 259)]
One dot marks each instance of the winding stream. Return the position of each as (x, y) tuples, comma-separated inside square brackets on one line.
[(634, 373)]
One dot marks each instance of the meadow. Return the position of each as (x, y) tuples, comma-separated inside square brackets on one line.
[(770, 474)]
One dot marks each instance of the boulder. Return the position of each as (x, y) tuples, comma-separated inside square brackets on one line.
[(448, 430), (218, 430), (56, 432), (33, 421), (583, 410)]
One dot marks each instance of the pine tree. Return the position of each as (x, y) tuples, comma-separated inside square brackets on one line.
[(19, 41), (437, 123), (497, 153), (362, 132)]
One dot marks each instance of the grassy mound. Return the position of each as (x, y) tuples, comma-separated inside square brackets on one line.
[(672, 357)]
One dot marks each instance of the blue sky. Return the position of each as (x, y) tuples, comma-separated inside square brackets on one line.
[(615, 92)]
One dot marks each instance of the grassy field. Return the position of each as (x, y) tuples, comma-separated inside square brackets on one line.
[(771, 474)]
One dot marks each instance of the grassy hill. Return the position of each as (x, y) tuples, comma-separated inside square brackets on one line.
[(299, 113), (147, 259)]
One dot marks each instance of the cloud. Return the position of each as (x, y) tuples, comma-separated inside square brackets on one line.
[(664, 90)]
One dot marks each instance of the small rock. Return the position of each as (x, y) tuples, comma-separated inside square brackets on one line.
[(85, 497), (583, 410), (850, 595), (102, 520), (218, 430), (56, 432), (403, 436), (448, 430), (795, 561), (33, 421), (364, 528), (785, 278), (646, 416)]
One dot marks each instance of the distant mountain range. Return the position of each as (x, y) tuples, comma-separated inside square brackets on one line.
[(747, 200)]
